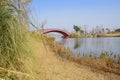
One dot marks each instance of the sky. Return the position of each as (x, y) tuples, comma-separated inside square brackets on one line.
[(63, 14)]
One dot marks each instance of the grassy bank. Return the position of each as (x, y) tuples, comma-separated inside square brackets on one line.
[(77, 35), (15, 39), (105, 63), (109, 35), (26, 56)]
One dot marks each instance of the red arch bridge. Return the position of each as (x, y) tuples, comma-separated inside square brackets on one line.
[(64, 33)]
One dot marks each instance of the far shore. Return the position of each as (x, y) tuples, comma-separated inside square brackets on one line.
[(109, 35)]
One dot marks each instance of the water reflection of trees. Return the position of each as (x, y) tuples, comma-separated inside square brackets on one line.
[(77, 43)]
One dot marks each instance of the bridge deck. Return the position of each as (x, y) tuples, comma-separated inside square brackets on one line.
[(63, 32)]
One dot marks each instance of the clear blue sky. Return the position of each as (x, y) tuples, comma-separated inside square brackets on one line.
[(63, 14)]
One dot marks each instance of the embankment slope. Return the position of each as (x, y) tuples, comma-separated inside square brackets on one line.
[(53, 67)]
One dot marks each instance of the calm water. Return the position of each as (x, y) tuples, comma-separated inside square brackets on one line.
[(92, 45)]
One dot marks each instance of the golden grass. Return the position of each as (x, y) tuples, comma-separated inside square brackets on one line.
[(13, 39), (46, 64), (26, 57), (109, 35), (106, 65)]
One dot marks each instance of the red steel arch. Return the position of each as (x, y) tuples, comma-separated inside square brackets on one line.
[(66, 34)]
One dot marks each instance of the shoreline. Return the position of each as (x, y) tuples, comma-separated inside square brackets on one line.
[(104, 64), (109, 35)]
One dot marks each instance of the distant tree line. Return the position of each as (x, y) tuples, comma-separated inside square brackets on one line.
[(96, 30), (82, 32)]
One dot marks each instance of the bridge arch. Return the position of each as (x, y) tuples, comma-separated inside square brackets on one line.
[(64, 33)]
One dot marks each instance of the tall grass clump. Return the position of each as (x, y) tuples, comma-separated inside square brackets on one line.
[(13, 34)]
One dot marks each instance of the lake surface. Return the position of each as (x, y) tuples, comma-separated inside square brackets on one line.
[(92, 45)]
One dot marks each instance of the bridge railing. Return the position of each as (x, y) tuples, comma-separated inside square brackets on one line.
[(56, 29), (65, 33)]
